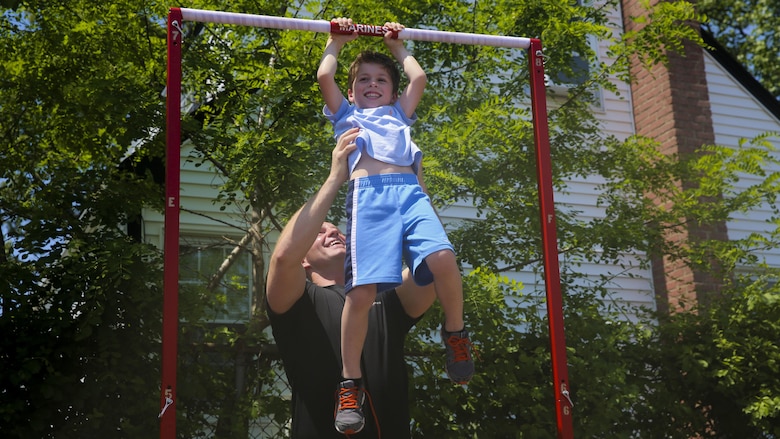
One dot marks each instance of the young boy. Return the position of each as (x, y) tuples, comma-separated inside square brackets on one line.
[(387, 208)]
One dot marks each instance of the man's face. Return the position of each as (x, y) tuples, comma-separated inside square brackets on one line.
[(372, 87), (330, 246)]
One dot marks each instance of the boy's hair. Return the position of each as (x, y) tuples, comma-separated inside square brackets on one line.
[(369, 57)]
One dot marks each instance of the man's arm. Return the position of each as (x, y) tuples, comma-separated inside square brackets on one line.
[(413, 92), (286, 275), (326, 73)]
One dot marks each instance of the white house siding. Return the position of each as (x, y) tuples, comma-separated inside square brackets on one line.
[(199, 190), (736, 115), (632, 286)]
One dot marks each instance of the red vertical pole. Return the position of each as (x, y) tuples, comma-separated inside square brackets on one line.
[(563, 403), (170, 327)]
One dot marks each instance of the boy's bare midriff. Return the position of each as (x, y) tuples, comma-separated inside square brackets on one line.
[(368, 165)]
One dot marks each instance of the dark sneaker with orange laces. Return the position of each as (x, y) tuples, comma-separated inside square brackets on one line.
[(460, 365), (349, 408)]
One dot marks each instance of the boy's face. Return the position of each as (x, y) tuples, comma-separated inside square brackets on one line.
[(372, 87)]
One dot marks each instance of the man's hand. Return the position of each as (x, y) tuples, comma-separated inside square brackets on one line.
[(339, 168)]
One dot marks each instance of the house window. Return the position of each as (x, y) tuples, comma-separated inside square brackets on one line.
[(231, 300), (579, 74), (580, 70), (579, 65), (561, 83)]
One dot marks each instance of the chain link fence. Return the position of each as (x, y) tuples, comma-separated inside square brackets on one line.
[(230, 390)]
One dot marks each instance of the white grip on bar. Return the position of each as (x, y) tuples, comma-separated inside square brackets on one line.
[(255, 20), (325, 27), (464, 38)]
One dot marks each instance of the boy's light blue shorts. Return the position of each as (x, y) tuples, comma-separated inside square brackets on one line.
[(390, 219)]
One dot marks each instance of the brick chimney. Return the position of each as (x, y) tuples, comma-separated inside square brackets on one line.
[(671, 105)]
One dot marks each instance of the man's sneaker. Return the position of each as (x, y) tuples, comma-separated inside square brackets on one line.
[(460, 365), (349, 409)]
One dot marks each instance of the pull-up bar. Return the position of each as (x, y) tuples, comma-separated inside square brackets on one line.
[(563, 402), (362, 29)]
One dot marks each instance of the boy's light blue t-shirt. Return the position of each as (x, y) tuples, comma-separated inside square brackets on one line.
[(385, 133)]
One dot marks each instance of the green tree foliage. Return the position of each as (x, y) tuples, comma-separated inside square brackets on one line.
[(722, 360), (696, 373), (749, 31), (80, 315), (81, 301)]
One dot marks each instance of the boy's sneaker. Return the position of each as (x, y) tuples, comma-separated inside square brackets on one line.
[(460, 365), (349, 409)]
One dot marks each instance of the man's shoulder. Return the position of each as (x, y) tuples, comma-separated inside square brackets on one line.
[(323, 289), (318, 293)]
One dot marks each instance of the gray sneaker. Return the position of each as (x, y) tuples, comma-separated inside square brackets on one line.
[(349, 410), (460, 365)]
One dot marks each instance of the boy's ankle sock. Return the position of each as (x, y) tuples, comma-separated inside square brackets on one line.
[(358, 381)]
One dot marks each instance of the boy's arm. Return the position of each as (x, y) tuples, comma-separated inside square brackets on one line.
[(326, 74), (413, 92)]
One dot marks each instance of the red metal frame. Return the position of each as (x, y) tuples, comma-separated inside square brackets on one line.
[(563, 403), (170, 330)]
